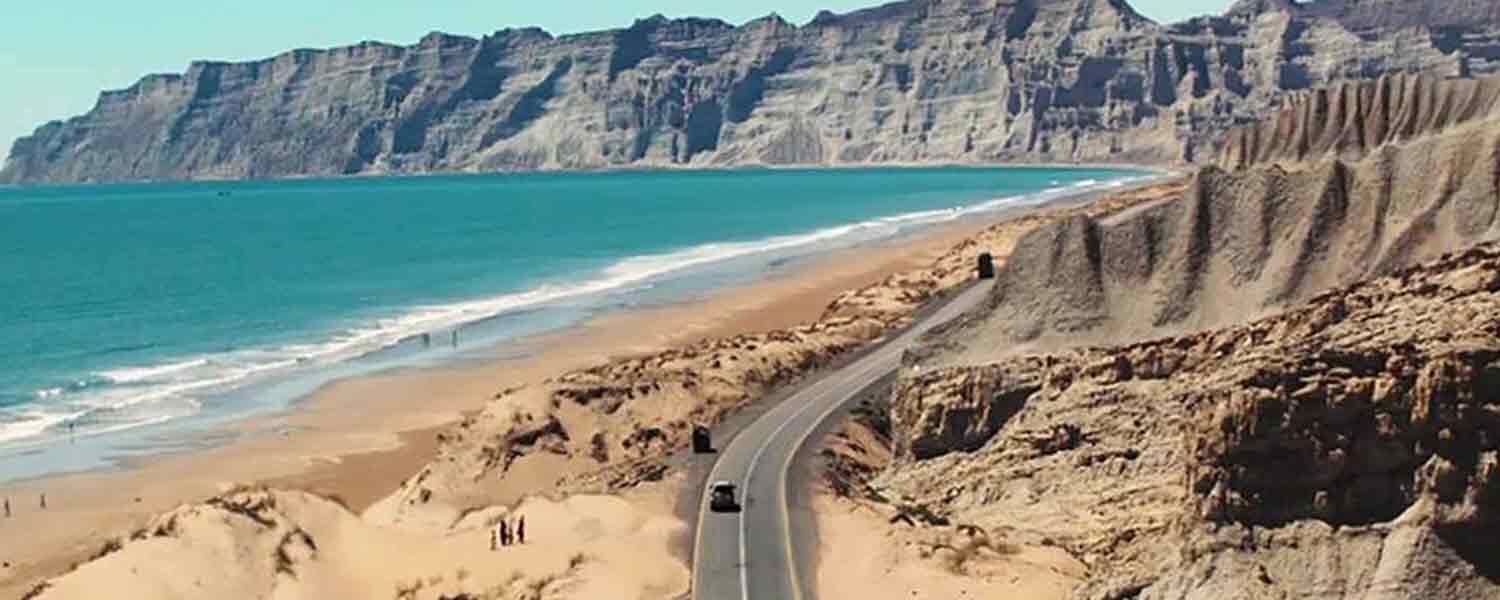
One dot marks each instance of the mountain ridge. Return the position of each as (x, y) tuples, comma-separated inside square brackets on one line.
[(1352, 119), (906, 82), (1274, 384), (1246, 240)]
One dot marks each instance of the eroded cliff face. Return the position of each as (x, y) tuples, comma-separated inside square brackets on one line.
[(1344, 449), (913, 81), (1352, 119), (1279, 384), (612, 426), (1238, 245)]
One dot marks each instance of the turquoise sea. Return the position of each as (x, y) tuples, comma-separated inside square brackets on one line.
[(132, 316)]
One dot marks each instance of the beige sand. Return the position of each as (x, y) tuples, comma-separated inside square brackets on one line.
[(614, 424), (341, 442), (262, 544), (339, 542), (865, 556)]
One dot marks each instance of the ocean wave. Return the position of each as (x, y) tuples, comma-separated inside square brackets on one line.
[(136, 396), (150, 373), (46, 393), (32, 424)]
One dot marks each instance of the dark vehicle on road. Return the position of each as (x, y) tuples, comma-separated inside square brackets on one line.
[(721, 497), (702, 441), (986, 266)]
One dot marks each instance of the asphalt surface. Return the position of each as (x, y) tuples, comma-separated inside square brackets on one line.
[(751, 554)]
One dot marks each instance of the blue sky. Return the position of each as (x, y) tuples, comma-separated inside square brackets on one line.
[(56, 55)]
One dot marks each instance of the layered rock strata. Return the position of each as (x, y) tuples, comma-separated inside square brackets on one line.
[(907, 82), (1238, 245), (1353, 119), (614, 425), (1343, 449)]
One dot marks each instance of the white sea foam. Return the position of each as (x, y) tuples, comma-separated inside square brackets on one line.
[(32, 424), (151, 372), (149, 394)]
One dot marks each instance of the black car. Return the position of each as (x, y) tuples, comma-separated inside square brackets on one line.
[(702, 440), (721, 497)]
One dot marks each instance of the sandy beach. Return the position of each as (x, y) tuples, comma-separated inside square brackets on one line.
[(356, 441)]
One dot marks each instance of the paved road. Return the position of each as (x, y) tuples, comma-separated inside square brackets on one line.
[(749, 555)]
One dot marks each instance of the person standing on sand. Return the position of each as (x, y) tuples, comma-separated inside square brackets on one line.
[(521, 530), (44, 502), (7, 508), (504, 533)]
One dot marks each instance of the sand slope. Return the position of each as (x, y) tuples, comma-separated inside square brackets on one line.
[(1344, 449), (1354, 118), (1237, 246), (612, 426), (1323, 423), (283, 544), (873, 558)]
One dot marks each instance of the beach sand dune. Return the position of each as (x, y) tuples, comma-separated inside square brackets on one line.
[(1277, 385), (261, 543), (594, 420), (1237, 246), (611, 426), (873, 558)]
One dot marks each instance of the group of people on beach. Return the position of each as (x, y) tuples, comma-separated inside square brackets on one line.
[(42, 502), (427, 339), (505, 534)]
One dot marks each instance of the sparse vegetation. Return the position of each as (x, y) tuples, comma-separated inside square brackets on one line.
[(111, 546), (536, 587), (599, 448), (36, 591), (958, 549), (247, 502), (283, 559), (408, 590)]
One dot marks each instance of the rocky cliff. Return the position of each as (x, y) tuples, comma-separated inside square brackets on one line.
[(1244, 244), (614, 425), (1278, 384), (912, 81), (1343, 449), (1352, 119)]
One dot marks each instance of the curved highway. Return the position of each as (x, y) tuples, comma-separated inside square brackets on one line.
[(749, 555)]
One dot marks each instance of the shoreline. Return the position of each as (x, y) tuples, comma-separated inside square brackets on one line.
[(1153, 170), (358, 439), (53, 452), (383, 426)]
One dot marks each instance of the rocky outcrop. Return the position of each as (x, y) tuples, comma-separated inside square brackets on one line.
[(1369, 17), (613, 426), (1236, 246), (911, 81), (1346, 448), (1321, 425), (1352, 119)]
